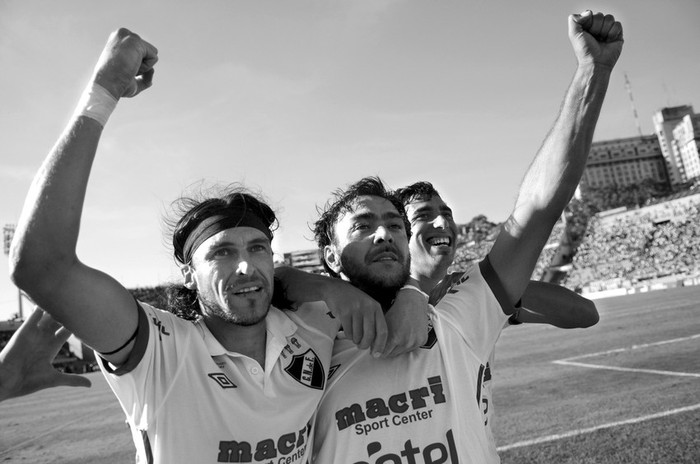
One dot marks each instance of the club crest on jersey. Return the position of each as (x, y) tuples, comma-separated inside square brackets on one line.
[(307, 369)]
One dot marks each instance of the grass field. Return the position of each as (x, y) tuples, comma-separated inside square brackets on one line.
[(624, 391)]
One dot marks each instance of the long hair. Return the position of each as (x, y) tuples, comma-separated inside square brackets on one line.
[(182, 302), (187, 212)]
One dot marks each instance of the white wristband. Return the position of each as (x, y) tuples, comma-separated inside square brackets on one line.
[(413, 287), (96, 103)]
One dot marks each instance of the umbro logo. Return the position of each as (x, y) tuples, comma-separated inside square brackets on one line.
[(332, 370), (222, 380)]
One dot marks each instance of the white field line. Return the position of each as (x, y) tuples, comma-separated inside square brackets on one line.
[(571, 362), (577, 432), (634, 347), (574, 433), (628, 369)]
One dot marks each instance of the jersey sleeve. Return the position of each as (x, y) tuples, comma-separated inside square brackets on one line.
[(473, 304), (153, 362), (317, 317)]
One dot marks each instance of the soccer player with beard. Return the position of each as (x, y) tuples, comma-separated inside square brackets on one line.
[(378, 410), (425, 406), (240, 382), (432, 247)]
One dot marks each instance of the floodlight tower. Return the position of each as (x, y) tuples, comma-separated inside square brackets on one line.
[(8, 231), (628, 86)]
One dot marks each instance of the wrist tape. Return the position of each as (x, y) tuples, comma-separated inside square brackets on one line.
[(96, 103)]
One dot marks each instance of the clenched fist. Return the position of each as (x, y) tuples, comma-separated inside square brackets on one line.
[(596, 38), (125, 67)]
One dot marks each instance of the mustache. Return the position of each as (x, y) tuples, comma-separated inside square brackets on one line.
[(385, 248)]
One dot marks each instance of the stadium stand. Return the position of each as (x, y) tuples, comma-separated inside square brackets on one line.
[(477, 237), (635, 249)]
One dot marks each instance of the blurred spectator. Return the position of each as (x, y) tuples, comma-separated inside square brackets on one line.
[(650, 244)]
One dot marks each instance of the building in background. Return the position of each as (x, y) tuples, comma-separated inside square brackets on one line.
[(670, 156), (306, 260), (622, 162), (665, 121), (686, 136)]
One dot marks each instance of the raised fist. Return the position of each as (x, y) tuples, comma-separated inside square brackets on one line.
[(125, 67), (596, 38)]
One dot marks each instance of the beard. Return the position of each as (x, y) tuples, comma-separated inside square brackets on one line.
[(236, 316), (380, 286)]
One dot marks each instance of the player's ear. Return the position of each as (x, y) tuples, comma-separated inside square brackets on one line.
[(187, 271), (332, 257)]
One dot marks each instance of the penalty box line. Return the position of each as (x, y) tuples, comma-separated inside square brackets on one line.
[(636, 420), (571, 362), (577, 432)]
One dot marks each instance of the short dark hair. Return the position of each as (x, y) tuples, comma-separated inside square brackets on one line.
[(342, 201), (416, 191)]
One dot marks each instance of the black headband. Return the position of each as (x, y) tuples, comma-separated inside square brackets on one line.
[(230, 218)]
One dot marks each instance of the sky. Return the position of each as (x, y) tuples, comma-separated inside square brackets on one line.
[(295, 99)]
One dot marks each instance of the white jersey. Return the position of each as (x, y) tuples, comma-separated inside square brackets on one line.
[(424, 406), (487, 404), (487, 394), (188, 400)]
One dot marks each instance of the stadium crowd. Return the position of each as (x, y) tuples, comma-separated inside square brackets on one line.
[(618, 250), (477, 237), (636, 247)]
